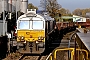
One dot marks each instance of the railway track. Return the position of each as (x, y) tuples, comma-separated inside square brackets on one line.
[(33, 57), (18, 56)]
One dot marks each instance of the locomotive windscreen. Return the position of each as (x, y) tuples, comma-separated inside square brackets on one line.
[(38, 25), (23, 24)]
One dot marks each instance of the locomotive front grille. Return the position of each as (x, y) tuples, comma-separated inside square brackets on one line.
[(30, 44)]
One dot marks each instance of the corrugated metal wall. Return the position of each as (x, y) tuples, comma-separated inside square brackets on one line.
[(0, 6), (5, 7), (13, 5), (24, 4), (14, 2), (1, 27)]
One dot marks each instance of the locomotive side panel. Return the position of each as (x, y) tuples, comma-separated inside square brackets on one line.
[(51, 25)]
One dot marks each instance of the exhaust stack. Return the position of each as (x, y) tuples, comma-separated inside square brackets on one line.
[(24, 6)]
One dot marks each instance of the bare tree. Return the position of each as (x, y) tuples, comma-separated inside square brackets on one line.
[(81, 12), (31, 6), (77, 12), (50, 5)]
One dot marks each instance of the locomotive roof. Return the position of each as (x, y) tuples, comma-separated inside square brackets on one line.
[(45, 15)]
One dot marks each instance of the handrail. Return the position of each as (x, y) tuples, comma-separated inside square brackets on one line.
[(72, 52), (66, 49), (49, 56), (62, 49), (84, 51)]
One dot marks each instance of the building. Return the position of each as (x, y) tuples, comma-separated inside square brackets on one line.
[(12, 5), (78, 19)]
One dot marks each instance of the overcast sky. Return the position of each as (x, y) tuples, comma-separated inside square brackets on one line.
[(68, 4)]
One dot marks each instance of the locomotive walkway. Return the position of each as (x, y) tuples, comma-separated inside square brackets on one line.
[(66, 42), (67, 39)]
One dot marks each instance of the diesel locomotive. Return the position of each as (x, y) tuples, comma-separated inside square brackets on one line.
[(33, 30)]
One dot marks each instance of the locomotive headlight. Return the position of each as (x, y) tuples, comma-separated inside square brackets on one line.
[(22, 38), (39, 38), (19, 37), (42, 38)]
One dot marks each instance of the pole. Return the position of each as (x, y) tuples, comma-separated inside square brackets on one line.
[(12, 40), (75, 49), (8, 45), (45, 5), (16, 9), (3, 20), (10, 6)]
